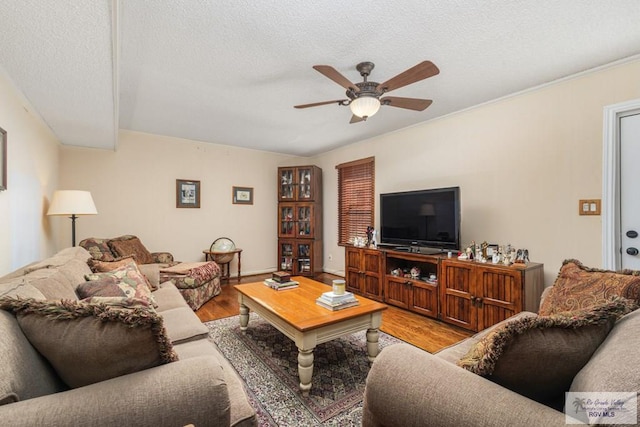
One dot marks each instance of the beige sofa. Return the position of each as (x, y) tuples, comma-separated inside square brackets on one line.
[(410, 387), (200, 388)]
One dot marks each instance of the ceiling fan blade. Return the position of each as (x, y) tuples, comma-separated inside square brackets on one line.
[(414, 74), (408, 103), (316, 104), (355, 119), (333, 74)]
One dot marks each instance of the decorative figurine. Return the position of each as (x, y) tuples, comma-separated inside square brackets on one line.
[(374, 239)]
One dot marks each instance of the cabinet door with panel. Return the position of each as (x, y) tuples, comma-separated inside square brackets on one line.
[(397, 291), (457, 288), (498, 295), (477, 296), (364, 272)]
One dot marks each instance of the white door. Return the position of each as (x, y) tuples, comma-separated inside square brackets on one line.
[(630, 191)]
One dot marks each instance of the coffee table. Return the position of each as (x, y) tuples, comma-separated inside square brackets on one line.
[(294, 312)]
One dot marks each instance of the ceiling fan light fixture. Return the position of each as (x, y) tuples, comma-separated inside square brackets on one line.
[(365, 106)]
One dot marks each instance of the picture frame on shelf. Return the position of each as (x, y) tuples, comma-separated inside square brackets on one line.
[(187, 193), (3, 159), (242, 195), (492, 249)]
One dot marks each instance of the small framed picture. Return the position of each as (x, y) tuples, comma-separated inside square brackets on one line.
[(242, 195), (187, 193), (492, 249)]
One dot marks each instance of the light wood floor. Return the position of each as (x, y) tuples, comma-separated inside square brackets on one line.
[(428, 334)]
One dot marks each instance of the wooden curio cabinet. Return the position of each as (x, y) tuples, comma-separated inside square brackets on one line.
[(300, 220), (364, 272), (476, 296), (299, 184)]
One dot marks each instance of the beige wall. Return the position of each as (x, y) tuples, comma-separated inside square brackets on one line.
[(134, 192), (25, 235), (522, 164)]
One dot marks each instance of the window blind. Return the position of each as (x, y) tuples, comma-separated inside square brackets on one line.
[(356, 190)]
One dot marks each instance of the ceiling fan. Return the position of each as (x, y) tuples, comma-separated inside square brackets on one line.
[(364, 98)]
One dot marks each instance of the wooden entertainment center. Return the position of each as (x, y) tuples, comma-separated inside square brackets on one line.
[(465, 293)]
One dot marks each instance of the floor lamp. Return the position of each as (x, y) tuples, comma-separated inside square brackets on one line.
[(74, 203)]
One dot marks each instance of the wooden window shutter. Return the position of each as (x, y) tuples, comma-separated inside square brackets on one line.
[(356, 190)]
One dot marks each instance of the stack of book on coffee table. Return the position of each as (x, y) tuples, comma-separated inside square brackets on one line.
[(281, 281), (334, 301)]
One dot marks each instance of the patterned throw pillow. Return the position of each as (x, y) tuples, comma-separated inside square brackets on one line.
[(89, 343), (131, 245), (109, 290), (129, 279), (98, 248), (104, 266), (539, 356), (578, 287)]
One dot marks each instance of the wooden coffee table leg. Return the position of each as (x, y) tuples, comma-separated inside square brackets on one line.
[(305, 369), (372, 344), (244, 317)]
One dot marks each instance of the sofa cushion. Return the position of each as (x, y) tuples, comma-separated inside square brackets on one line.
[(151, 273), (98, 248), (167, 297), (539, 356), (53, 283), (130, 280), (131, 245), (60, 259), (578, 287), (183, 325), (25, 373), (614, 366), (18, 287), (88, 343)]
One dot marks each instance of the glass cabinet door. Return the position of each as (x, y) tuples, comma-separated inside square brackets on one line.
[(304, 213), (286, 220), (304, 258), (285, 256), (305, 187), (287, 184)]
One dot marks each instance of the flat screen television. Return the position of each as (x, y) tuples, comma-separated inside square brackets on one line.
[(428, 218)]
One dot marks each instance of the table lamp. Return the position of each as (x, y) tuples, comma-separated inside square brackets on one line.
[(74, 203)]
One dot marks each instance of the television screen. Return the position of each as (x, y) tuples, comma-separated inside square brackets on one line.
[(429, 218)]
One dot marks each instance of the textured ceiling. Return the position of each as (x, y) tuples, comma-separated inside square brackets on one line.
[(230, 72)]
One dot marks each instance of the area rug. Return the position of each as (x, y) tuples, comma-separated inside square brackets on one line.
[(267, 362)]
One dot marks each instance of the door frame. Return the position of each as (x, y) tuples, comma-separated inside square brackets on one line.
[(611, 257)]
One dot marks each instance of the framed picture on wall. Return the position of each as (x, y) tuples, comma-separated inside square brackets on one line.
[(3, 159), (187, 193), (243, 195)]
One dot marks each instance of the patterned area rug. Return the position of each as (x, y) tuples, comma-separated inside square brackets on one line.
[(267, 362)]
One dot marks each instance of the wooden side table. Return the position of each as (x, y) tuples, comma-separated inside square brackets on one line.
[(224, 266)]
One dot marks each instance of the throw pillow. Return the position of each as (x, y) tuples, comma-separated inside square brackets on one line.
[(538, 356), (98, 248), (129, 279), (89, 343), (578, 287), (111, 291), (131, 246), (104, 266)]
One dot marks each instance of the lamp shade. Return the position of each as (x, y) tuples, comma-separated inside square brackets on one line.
[(72, 202), (365, 106)]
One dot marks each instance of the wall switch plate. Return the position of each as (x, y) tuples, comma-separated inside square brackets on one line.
[(589, 206)]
